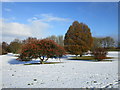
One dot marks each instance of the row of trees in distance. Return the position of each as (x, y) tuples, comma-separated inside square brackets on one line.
[(15, 45)]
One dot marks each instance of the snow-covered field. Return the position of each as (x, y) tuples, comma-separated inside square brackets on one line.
[(69, 74)]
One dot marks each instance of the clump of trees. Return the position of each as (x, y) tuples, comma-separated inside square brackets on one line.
[(15, 46), (104, 42), (78, 39), (42, 49)]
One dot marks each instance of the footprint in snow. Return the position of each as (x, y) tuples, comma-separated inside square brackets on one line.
[(94, 81), (35, 79), (28, 83), (42, 83), (87, 82), (12, 74), (106, 78)]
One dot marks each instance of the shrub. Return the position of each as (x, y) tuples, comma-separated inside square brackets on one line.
[(99, 54), (42, 49)]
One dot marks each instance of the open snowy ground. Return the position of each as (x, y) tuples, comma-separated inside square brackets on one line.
[(69, 74)]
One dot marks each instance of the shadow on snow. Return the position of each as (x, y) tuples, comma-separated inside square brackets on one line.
[(14, 61)]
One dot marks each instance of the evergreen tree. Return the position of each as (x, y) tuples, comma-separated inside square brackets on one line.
[(78, 39)]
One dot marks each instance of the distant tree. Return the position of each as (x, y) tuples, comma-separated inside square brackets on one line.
[(53, 37), (15, 46), (4, 48), (78, 39), (96, 42), (58, 39), (103, 42), (29, 39), (109, 42), (42, 49)]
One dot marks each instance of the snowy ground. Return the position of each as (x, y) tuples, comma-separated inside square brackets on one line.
[(70, 74)]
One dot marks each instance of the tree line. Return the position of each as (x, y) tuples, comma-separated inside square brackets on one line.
[(15, 45)]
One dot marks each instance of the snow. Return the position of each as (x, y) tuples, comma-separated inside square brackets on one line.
[(69, 74)]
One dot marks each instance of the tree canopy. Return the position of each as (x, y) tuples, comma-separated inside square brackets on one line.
[(42, 49), (78, 38)]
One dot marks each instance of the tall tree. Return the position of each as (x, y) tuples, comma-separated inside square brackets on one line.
[(78, 39)]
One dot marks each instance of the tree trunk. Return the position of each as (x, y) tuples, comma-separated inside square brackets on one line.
[(76, 56), (41, 60), (80, 55)]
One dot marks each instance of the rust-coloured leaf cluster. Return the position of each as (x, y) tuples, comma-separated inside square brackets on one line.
[(78, 38), (42, 49)]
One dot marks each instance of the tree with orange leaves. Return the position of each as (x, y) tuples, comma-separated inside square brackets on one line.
[(42, 49), (78, 39)]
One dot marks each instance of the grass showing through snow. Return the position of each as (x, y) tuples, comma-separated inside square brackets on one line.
[(88, 58), (43, 63)]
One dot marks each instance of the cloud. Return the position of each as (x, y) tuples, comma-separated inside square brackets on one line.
[(14, 30), (39, 29), (48, 18), (38, 26), (7, 9)]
